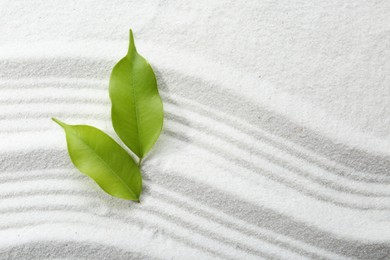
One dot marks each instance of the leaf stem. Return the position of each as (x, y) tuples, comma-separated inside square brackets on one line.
[(139, 162)]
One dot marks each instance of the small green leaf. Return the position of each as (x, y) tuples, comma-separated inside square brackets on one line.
[(97, 155), (137, 110)]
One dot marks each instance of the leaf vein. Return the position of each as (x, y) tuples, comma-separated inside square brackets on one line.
[(136, 117), (107, 165)]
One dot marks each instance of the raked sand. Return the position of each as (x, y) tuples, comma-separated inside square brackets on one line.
[(276, 139)]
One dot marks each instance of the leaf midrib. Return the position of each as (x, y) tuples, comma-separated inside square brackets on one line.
[(136, 116), (108, 166)]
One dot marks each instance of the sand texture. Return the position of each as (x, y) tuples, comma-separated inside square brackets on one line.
[(276, 139)]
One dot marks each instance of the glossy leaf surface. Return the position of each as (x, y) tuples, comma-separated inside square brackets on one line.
[(137, 110), (97, 155)]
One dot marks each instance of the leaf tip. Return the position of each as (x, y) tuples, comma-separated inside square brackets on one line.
[(62, 124), (131, 43)]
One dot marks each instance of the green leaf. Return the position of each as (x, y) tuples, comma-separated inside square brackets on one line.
[(97, 155), (137, 110)]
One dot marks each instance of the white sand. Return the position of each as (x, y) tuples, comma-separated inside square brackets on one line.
[(276, 141)]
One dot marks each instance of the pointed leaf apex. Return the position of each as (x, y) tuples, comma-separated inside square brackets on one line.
[(131, 43), (62, 124)]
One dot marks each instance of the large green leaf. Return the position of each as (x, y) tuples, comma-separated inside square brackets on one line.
[(97, 155), (137, 111)]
